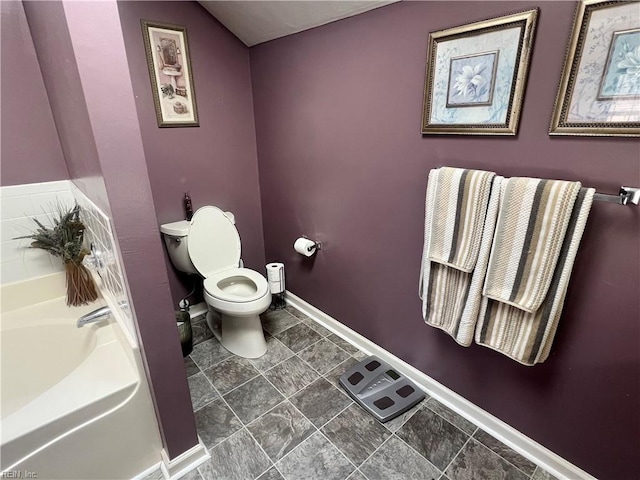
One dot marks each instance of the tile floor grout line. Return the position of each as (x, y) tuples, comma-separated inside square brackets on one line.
[(502, 458), (444, 471), (412, 448), (449, 421), (355, 467), (374, 452), (273, 464)]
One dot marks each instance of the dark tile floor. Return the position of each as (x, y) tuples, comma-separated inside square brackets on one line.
[(284, 416)]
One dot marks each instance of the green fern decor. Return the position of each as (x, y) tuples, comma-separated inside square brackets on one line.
[(65, 240)]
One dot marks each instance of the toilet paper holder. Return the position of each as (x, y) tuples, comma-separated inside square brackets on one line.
[(316, 245)]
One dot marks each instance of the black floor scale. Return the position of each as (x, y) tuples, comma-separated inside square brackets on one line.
[(379, 389)]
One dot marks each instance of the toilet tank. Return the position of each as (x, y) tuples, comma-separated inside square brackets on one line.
[(176, 239)]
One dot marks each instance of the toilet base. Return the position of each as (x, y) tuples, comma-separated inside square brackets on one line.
[(242, 336)]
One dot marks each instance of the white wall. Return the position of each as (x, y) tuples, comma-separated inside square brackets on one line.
[(19, 205)]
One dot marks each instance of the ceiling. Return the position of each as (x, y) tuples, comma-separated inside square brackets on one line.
[(259, 21)]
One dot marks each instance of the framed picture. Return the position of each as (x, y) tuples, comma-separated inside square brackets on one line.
[(476, 76), (169, 65), (599, 92)]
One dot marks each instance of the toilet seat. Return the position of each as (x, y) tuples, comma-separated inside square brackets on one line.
[(214, 285)]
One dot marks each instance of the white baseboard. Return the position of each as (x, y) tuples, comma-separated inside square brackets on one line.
[(197, 309), (508, 435), (185, 462)]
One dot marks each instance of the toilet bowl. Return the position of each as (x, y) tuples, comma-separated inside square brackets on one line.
[(210, 246)]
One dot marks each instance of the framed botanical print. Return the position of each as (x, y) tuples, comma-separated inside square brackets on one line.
[(476, 76), (174, 94), (599, 92)]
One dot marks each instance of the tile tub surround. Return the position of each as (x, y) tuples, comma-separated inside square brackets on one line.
[(20, 205), (287, 418)]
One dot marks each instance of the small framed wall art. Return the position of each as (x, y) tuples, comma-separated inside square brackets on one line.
[(599, 92), (174, 95), (476, 76)]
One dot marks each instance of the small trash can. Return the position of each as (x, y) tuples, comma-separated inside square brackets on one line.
[(184, 332)]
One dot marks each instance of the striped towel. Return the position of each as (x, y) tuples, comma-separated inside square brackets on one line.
[(533, 219), (527, 337), (459, 209), (451, 298)]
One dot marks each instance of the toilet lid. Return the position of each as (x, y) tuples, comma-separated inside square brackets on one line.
[(214, 243)]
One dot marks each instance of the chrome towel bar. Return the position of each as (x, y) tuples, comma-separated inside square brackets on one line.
[(627, 196)]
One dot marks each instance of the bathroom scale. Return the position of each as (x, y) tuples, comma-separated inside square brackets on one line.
[(380, 389)]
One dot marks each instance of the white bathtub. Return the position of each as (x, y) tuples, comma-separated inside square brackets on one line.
[(75, 403)]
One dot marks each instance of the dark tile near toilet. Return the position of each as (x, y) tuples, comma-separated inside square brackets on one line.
[(209, 353), (298, 337), (276, 321), (237, 458), (316, 326), (448, 414), (201, 390), (231, 373), (334, 375), (505, 452), (477, 461), (396, 461), (316, 458), (307, 321), (200, 330), (281, 430), (276, 352), (253, 399), (433, 437), (291, 375), (323, 356), (215, 423), (271, 474), (190, 366), (356, 433), (541, 474), (343, 344), (295, 312), (320, 402)]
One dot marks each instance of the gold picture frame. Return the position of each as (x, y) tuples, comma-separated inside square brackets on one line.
[(596, 95), (476, 76), (168, 59)]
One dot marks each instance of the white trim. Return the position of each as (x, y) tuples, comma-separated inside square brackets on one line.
[(508, 435), (185, 462), (198, 309), (148, 471)]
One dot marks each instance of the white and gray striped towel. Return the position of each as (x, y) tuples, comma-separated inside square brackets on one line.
[(451, 297), (526, 337), (533, 220)]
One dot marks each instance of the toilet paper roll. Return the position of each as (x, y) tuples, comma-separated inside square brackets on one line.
[(275, 277), (305, 247)]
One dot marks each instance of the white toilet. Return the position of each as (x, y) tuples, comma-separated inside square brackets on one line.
[(209, 245)]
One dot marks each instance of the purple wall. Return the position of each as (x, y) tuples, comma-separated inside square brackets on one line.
[(64, 88), (25, 108), (342, 160), (217, 161), (89, 88)]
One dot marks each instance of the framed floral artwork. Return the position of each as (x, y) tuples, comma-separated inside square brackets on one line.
[(476, 76), (599, 92), (174, 95)]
